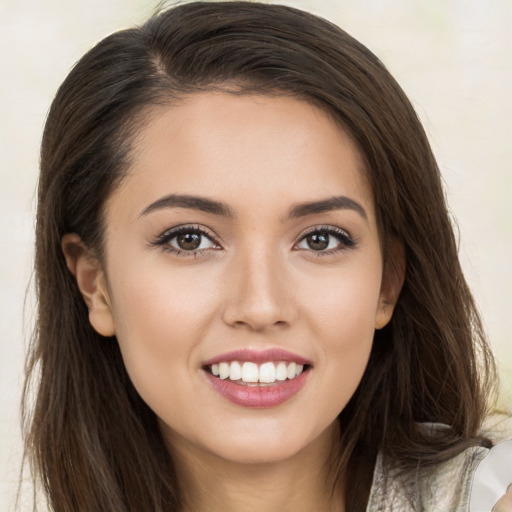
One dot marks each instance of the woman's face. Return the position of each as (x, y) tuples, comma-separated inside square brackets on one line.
[(241, 245)]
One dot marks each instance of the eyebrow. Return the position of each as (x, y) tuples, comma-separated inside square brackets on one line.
[(217, 208), (327, 205), (190, 202)]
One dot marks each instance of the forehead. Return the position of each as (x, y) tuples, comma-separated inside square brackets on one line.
[(242, 147)]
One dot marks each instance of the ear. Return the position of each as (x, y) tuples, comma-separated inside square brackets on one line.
[(91, 282), (392, 281)]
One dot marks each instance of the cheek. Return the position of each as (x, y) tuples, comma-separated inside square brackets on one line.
[(160, 316), (342, 317), (343, 305), (161, 300)]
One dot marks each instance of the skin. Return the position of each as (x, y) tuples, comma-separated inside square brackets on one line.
[(257, 284), (504, 504)]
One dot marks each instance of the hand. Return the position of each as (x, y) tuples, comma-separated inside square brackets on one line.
[(504, 504)]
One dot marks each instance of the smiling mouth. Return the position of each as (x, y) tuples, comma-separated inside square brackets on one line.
[(249, 373)]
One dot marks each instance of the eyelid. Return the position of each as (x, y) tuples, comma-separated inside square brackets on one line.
[(163, 239), (345, 238), (346, 241), (326, 228)]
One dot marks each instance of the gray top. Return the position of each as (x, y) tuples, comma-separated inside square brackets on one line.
[(447, 487)]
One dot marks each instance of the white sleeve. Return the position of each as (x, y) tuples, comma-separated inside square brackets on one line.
[(491, 478)]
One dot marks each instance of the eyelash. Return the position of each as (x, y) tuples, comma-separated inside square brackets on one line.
[(346, 241), (164, 239)]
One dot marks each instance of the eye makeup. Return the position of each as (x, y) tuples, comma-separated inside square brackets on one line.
[(194, 240), (325, 240), (187, 240)]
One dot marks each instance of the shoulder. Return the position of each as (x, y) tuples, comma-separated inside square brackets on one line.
[(494, 473), (446, 486), (472, 481)]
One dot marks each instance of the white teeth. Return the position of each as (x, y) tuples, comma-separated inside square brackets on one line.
[(292, 368), (281, 371), (268, 372), (250, 372), (223, 370), (235, 371)]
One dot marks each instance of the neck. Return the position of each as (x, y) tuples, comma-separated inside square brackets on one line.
[(301, 483)]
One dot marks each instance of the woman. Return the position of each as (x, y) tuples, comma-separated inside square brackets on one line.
[(249, 290)]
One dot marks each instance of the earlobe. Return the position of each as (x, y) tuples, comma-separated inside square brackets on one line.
[(384, 314), (91, 282), (392, 282)]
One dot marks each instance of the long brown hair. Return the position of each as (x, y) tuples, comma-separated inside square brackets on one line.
[(93, 442)]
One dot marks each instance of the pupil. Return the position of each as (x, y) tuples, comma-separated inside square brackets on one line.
[(318, 241), (189, 241)]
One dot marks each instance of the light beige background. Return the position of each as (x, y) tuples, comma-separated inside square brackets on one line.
[(452, 57)]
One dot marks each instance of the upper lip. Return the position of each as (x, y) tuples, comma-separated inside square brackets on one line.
[(258, 356)]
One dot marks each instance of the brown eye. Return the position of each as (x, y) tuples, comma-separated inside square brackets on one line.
[(325, 240), (318, 241), (188, 241)]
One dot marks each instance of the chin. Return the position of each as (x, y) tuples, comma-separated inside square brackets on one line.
[(260, 451), (256, 442)]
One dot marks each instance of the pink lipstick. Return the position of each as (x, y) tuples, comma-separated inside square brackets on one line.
[(257, 379)]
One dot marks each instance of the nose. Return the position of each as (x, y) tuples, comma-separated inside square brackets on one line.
[(259, 293)]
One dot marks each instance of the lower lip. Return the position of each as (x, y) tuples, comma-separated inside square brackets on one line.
[(258, 396)]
